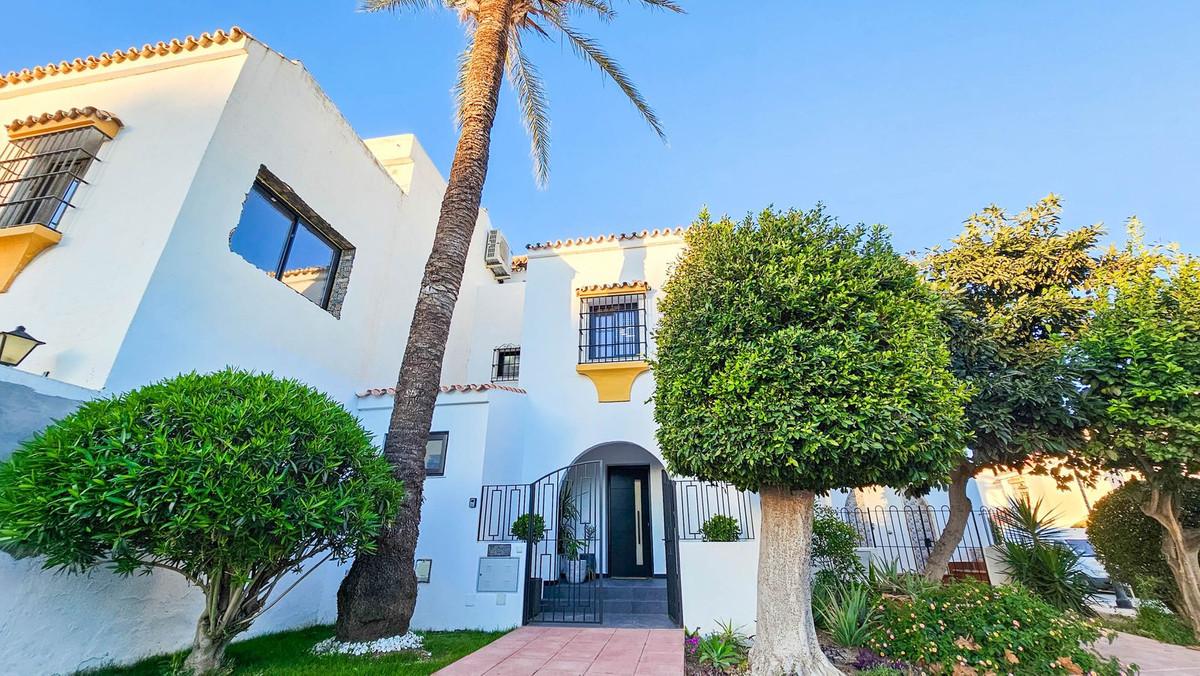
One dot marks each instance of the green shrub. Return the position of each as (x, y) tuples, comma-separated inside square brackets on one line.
[(887, 578), (1001, 629), (1154, 620), (1129, 543), (847, 613), (721, 528), (834, 546), (231, 479), (530, 528)]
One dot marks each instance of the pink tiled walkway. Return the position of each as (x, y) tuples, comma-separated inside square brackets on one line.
[(565, 651)]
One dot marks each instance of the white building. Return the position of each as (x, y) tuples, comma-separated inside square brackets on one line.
[(201, 203), (147, 198)]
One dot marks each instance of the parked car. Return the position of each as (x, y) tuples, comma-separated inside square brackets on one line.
[(1076, 539)]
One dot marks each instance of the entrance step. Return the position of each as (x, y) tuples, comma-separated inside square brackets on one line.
[(638, 607)]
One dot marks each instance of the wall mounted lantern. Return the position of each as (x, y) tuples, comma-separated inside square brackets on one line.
[(15, 345)]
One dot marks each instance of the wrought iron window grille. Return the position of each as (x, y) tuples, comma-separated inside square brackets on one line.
[(612, 328), (39, 175), (506, 364)]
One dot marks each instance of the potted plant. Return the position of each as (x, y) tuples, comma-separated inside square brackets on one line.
[(574, 567), (570, 546), (529, 528)]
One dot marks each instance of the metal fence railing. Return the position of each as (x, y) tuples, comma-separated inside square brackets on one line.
[(904, 536), (698, 501)]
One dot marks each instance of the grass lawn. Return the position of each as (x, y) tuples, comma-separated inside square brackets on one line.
[(289, 653)]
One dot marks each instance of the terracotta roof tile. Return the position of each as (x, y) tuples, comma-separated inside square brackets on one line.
[(60, 115), (638, 285), (473, 387), (520, 262), (146, 51), (617, 237)]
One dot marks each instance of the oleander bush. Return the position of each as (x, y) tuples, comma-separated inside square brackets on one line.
[(234, 480), (969, 625)]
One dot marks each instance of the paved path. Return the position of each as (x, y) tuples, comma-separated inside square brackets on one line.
[(1153, 657), (567, 651)]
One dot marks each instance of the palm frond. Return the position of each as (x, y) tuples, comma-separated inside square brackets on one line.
[(397, 5), (535, 112), (460, 87), (601, 8), (589, 50), (668, 5)]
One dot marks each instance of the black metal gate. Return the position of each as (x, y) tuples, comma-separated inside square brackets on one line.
[(563, 553), (671, 544)]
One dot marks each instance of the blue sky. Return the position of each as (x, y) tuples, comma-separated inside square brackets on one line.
[(910, 114)]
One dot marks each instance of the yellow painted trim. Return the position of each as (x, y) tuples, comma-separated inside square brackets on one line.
[(108, 127), (21, 244), (612, 290), (613, 380)]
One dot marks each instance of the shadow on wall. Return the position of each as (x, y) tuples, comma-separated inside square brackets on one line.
[(25, 412)]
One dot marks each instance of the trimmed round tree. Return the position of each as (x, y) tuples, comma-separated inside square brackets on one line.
[(795, 356), (1140, 360), (242, 483)]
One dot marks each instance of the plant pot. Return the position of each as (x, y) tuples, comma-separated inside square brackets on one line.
[(576, 570)]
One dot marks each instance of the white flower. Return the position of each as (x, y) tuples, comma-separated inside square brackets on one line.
[(391, 644)]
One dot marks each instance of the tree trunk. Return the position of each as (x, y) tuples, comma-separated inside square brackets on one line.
[(207, 651), (1181, 548), (785, 641), (937, 565), (379, 593)]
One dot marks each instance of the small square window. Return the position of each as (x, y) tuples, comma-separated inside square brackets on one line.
[(435, 453), (506, 364), (424, 567)]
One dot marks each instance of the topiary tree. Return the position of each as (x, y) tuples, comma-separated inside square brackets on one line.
[(1140, 364), (1015, 290), (1129, 543), (233, 480), (796, 355)]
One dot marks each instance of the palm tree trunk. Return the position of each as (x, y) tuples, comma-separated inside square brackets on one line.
[(1181, 549), (938, 563), (379, 593), (785, 641)]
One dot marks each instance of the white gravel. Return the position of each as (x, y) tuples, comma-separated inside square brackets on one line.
[(391, 644)]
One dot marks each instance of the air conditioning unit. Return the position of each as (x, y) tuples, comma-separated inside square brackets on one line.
[(497, 256)]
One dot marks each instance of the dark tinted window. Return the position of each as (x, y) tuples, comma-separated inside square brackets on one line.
[(274, 239), (435, 453)]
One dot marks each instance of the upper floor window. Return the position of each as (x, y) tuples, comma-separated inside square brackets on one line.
[(435, 453), (39, 174), (612, 328), (281, 236), (506, 364)]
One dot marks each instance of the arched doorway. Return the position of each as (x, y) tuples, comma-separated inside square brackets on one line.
[(632, 513)]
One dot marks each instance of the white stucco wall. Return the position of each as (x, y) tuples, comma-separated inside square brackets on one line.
[(481, 432), (122, 219), (154, 225), (719, 583)]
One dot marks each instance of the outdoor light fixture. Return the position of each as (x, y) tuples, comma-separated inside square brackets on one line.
[(15, 345)]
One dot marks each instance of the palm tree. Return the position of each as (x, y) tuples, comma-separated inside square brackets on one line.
[(377, 597)]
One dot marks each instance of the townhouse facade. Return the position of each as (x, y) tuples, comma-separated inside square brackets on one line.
[(200, 203)]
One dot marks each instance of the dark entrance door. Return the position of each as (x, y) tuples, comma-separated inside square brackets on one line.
[(629, 550)]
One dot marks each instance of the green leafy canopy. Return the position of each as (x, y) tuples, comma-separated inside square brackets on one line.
[(1140, 363), (230, 474), (797, 352), (1016, 292)]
